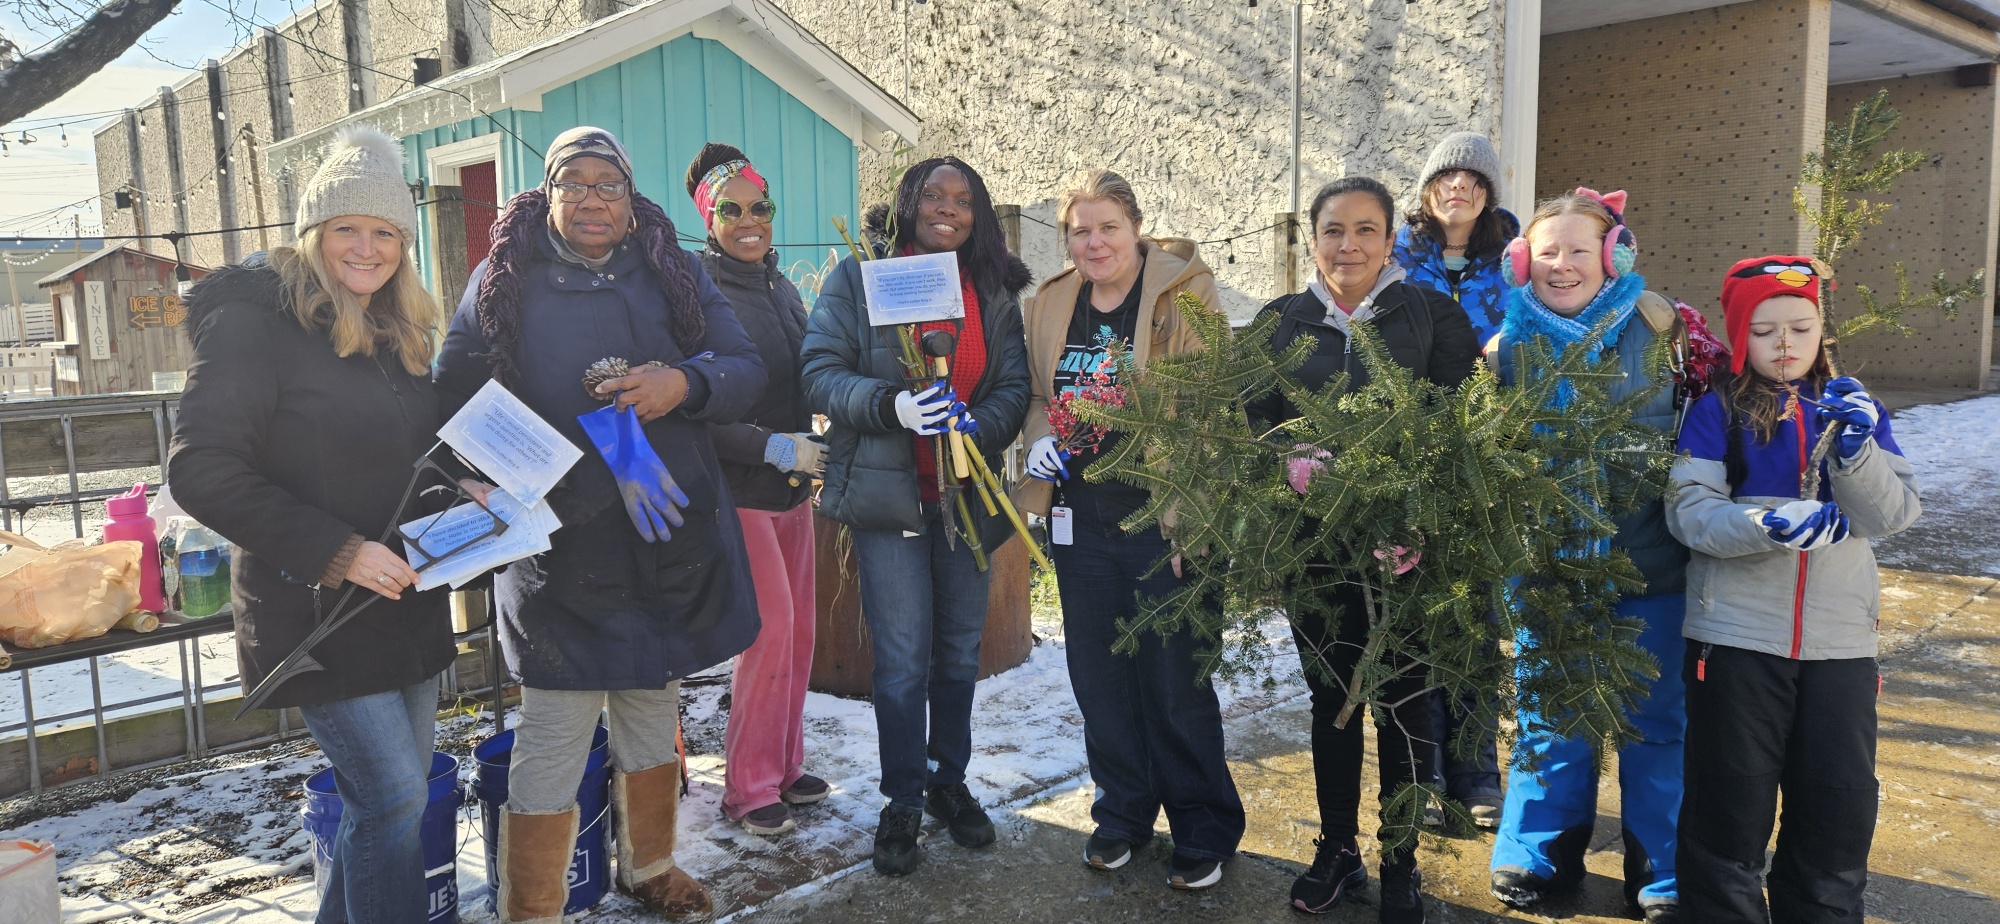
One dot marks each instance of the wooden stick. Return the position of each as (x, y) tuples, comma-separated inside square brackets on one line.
[(1007, 506), (958, 464)]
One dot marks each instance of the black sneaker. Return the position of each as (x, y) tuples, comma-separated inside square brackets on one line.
[(1336, 871), (961, 814), (1192, 874), (805, 790), (1667, 913), (1402, 894), (1519, 888), (896, 848), (1103, 851)]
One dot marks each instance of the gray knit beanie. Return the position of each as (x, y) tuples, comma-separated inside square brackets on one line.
[(361, 175), (1464, 151)]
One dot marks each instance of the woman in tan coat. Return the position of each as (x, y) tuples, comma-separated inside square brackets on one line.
[(1152, 726)]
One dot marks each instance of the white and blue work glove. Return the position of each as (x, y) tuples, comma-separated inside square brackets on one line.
[(1045, 461), (1847, 405), (796, 452), (1806, 525), (925, 412), (966, 424)]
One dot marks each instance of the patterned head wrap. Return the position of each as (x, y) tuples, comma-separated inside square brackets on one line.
[(710, 187)]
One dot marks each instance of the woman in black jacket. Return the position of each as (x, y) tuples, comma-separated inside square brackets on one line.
[(769, 459), (307, 402), (1356, 281), (924, 601)]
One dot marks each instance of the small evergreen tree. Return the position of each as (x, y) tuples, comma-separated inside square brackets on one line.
[(1461, 476), (1848, 165)]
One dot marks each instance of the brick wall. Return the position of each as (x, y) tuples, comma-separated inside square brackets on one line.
[(1949, 225), (1191, 100), (1704, 118)]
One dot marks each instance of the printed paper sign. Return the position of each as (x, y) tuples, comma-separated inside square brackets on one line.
[(511, 444), (527, 534), (908, 290)]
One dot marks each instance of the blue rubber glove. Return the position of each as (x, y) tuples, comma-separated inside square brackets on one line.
[(1806, 525), (1848, 405), (1045, 461), (652, 499)]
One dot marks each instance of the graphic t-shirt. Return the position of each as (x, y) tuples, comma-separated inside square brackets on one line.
[(1092, 334)]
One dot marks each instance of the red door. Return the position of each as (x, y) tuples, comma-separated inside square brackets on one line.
[(481, 191)]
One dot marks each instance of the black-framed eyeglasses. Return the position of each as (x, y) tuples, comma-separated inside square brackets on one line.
[(608, 192), (455, 531), (732, 211)]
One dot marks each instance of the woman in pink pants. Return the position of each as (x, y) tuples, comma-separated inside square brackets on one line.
[(769, 460)]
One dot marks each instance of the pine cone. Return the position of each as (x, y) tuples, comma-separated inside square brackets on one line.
[(601, 371)]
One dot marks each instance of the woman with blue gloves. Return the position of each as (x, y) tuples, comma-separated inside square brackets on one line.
[(921, 592), (1573, 272), (1781, 631), (647, 580)]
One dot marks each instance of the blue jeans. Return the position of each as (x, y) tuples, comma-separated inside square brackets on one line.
[(1152, 727), (380, 747), (1547, 822), (1463, 779), (925, 605)]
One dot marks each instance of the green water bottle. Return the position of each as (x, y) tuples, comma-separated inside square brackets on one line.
[(204, 572)]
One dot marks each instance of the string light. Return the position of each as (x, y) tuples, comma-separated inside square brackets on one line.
[(64, 129)]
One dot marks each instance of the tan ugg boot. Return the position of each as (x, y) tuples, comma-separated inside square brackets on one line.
[(535, 855), (648, 806)]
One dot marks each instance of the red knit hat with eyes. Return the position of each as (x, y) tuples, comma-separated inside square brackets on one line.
[(1752, 281)]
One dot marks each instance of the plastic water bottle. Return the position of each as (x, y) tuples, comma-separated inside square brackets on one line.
[(204, 571), (129, 522)]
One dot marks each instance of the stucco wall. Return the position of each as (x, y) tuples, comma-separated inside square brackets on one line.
[(1190, 100), (1704, 118), (1948, 224)]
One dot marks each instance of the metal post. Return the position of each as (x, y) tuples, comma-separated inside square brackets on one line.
[(1298, 73), (200, 708), (97, 716), (160, 434), (187, 696), (69, 453), (34, 746), (6, 512), (494, 667)]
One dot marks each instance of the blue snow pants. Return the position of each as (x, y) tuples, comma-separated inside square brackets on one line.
[(1546, 824)]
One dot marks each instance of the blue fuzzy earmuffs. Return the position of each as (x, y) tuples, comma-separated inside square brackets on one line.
[(1621, 249)]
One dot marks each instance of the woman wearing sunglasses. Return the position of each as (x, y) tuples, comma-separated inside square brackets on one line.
[(769, 459), (616, 613), (307, 401)]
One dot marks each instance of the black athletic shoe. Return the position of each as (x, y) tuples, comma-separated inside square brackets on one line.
[(1192, 874), (896, 848), (1402, 894), (1103, 851), (1520, 888), (1336, 872), (961, 815), (1663, 914)]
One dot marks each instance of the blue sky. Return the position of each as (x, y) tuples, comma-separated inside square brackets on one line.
[(40, 182)]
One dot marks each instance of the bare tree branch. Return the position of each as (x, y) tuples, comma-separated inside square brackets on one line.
[(38, 79)]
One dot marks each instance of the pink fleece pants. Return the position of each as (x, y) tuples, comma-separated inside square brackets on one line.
[(765, 744)]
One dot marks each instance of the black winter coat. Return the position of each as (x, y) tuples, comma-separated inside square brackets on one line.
[(287, 450), (604, 609), (1423, 331), (774, 317), (871, 469)]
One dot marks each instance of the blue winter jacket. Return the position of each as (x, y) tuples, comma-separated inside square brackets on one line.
[(604, 609), (1481, 291)]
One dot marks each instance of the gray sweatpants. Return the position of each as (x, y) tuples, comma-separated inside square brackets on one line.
[(552, 741)]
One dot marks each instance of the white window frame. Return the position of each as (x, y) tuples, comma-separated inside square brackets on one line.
[(442, 163)]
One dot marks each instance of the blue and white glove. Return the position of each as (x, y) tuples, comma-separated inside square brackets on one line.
[(1847, 405), (925, 412), (966, 424), (1806, 525), (1045, 461), (804, 453)]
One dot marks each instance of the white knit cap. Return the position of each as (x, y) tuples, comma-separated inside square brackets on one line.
[(361, 175)]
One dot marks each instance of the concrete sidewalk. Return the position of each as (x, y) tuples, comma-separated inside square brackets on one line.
[(1933, 859)]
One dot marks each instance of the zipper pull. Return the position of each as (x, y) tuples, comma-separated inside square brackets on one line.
[(1701, 663)]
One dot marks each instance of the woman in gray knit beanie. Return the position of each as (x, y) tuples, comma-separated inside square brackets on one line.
[(306, 405)]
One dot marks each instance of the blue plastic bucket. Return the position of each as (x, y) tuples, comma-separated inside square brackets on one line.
[(321, 816), (590, 867)]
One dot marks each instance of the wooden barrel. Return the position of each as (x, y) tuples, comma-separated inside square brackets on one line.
[(842, 660)]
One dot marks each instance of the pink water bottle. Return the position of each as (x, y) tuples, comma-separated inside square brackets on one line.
[(130, 522)]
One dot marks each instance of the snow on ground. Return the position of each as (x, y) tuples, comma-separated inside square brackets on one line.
[(223, 843), (1955, 450), (64, 689)]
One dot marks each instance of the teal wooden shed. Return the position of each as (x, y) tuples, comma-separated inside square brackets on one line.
[(665, 77)]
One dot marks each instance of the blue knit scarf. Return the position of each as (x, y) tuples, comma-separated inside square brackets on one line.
[(1527, 318)]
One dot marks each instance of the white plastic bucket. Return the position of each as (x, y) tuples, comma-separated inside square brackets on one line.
[(28, 883)]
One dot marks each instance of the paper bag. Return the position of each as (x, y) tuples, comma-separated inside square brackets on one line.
[(71, 592)]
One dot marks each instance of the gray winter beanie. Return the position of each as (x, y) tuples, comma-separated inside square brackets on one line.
[(1464, 151), (361, 175)]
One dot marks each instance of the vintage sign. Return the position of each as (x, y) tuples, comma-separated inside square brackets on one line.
[(98, 320), (156, 311)]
